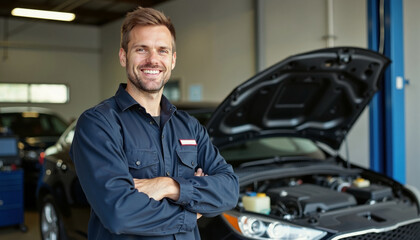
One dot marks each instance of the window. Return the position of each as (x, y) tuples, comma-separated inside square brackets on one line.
[(33, 93)]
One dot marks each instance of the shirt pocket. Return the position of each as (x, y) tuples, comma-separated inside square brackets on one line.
[(143, 163), (187, 162)]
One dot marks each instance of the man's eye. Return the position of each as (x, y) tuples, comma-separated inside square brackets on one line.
[(164, 51), (140, 50)]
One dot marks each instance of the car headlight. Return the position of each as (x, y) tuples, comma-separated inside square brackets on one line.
[(260, 227)]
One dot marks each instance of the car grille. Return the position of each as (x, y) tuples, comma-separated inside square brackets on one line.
[(406, 232)]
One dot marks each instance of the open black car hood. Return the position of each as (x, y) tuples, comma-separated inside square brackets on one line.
[(317, 95)]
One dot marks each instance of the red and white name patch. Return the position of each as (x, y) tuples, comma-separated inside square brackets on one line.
[(188, 142)]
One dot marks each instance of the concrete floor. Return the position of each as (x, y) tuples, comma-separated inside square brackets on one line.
[(32, 223)]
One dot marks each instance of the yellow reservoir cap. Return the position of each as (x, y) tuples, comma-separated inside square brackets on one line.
[(361, 182)]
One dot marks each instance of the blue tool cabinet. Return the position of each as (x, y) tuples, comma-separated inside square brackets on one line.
[(11, 199)]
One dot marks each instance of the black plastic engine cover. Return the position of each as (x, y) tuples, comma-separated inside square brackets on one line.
[(373, 192), (309, 198)]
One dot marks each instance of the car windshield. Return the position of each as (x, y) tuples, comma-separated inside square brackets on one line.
[(33, 124), (273, 147)]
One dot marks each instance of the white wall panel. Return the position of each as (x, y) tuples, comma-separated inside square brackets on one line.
[(412, 91)]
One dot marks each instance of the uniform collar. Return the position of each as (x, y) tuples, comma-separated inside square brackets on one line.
[(166, 110), (123, 98), (125, 101)]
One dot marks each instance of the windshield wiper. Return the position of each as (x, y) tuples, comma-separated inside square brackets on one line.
[(277, 159)]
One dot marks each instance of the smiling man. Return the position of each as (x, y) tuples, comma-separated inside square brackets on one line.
[(148, 170), (148, 58)]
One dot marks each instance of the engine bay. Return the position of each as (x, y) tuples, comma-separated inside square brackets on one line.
[(304, 197)]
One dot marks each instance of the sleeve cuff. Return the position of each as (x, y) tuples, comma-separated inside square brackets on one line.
[(185, 191)]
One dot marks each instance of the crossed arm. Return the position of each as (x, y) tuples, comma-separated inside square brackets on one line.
[(162, 187)]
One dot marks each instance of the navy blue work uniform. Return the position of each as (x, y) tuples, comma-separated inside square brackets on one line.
[(118, 140)]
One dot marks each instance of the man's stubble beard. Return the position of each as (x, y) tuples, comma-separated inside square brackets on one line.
[(136, 81)]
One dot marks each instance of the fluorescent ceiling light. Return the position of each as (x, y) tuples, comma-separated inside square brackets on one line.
[(50, 15)]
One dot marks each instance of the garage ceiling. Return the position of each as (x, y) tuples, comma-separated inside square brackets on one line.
[(88, 12)]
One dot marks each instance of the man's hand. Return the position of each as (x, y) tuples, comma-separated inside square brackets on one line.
[(200, 173), (158, 188)]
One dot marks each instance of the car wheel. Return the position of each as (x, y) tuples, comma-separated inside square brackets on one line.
[(51, 225)]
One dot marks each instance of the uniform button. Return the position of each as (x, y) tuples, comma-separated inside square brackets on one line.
[(192, 163), (151, 122), (168, 174), (162, 136), (138, 163)]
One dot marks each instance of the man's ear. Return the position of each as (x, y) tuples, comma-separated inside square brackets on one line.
[(123, 57), (173, 60)]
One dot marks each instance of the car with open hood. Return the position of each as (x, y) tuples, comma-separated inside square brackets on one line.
[(281, 130)]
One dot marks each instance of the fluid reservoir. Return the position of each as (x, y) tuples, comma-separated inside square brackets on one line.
[(256, 202)]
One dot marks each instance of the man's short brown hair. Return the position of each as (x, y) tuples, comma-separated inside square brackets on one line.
[(145, 17)]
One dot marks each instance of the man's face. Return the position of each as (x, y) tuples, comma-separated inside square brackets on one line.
[(149, 59)]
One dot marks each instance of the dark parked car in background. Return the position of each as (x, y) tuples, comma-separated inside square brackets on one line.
[(37, 129), (281, 130)]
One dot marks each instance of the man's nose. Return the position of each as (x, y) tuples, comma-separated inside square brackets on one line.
[(153, 57)]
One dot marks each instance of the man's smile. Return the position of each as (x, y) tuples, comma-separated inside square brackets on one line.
[(151, 71)]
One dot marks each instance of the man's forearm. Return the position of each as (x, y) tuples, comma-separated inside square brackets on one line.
[(161, 187), (158, 188), (209, 195)]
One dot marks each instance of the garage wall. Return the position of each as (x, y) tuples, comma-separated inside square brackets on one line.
[(111, 71), (412, 90), (53, 53), (215, 45), (294, 26)]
